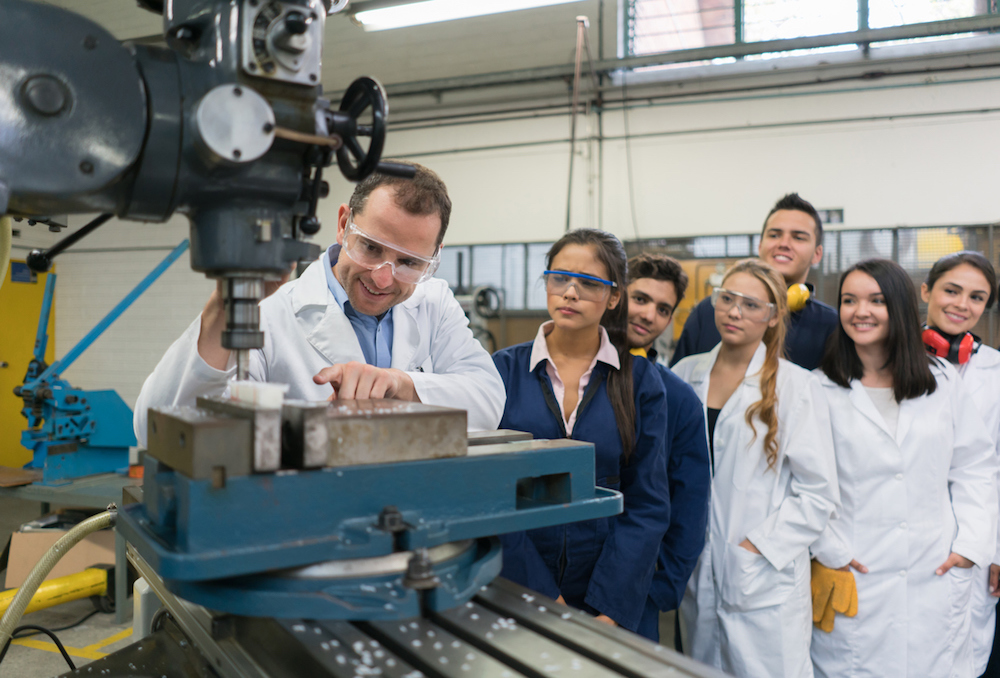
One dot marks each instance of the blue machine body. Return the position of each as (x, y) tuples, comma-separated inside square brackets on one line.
[(73, 432), (212, 544)]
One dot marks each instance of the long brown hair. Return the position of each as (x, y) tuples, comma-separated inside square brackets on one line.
[(766, 409), (611, 253)]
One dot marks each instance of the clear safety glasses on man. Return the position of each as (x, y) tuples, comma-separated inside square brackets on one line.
[(588, 288), (407, 267), (750, 308)]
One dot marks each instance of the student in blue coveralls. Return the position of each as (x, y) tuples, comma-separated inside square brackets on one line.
[(791, 242), (656, 285), (578, 380)]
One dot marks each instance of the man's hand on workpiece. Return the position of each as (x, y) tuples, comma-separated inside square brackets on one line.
[(213, 322), (360, 381)]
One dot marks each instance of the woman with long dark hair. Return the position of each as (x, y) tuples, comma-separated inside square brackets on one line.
[(916, 468), (577, 380), (747, 609), (959, 288)]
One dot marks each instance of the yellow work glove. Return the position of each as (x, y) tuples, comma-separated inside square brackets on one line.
[(832, 591)]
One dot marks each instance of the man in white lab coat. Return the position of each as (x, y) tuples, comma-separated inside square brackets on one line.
[(366, 320)]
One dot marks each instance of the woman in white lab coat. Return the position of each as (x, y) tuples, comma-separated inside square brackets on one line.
[(916, 469), (748, 609), (959, 288)]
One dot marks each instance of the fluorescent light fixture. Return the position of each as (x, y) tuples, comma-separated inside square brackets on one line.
[(432, 11)]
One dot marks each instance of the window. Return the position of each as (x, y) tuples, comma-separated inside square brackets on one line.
[(655, 26)]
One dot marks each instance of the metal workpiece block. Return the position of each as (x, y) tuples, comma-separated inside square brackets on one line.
[(504, 435), (265, 425), (196, 443), (371, 432)]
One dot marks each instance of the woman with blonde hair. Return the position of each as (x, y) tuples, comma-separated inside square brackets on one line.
[(748, 607)]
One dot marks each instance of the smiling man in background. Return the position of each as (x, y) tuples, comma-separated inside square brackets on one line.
[(791, 242)]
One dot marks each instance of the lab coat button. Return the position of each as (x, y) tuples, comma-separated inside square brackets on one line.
[(903, 525), (899, 476), (902, 573)]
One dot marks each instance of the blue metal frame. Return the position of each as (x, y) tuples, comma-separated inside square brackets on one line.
[(73, 432)]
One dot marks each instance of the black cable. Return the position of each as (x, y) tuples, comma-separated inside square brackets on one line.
[(40, 629), (60, 628)]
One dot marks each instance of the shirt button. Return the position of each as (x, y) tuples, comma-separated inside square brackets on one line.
[(902, 573), (899, 476)]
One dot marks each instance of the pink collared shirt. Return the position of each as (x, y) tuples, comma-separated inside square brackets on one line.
[(540, 351)]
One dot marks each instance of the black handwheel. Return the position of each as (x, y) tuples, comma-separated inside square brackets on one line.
[(355, 162)]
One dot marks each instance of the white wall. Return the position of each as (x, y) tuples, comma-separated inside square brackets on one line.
[(910, 150)]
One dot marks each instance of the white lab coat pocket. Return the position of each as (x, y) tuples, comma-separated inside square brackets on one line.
[(959, 593), (750, 582)]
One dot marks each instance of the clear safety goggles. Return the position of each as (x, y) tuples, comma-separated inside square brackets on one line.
[(372, 253), (588, 287), (750, 308)]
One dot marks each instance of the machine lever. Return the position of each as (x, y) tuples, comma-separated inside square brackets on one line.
[(40, 261)]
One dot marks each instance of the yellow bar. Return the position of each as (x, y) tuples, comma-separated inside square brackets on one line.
[(90, 582), (110, 640), (81, 652)]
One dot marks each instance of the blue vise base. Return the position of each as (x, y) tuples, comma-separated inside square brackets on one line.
[(190, 530)]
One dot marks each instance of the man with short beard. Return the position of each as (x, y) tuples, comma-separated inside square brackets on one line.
[(367, 320)]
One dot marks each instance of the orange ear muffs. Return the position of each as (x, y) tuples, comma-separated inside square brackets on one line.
[(798, 295)]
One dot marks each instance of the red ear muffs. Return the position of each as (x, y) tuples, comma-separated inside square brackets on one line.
[(935, 343), (967, 345), (957, 351)]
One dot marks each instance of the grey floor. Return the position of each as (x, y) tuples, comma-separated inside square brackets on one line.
[(86, 642)]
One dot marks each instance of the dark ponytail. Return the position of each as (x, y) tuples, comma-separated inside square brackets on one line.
[(611, 253)]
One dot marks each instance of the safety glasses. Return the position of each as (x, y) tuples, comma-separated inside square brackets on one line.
[(588, 288), (750, 308), (372, 253)]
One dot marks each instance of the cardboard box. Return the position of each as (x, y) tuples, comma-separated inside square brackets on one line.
[(27, 548)]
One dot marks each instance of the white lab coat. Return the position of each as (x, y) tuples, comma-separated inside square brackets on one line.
[(748, 614), (908, 500), (981, 376), (305, 330)]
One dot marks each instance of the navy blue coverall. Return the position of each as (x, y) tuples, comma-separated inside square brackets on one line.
[(689, 478), (603, 566)]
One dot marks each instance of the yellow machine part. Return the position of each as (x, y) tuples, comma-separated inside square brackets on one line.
[(90, 582)]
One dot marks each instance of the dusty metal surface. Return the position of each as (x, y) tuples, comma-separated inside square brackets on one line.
[(504, 435), (506, 631), (373, 432), (265, 425)]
